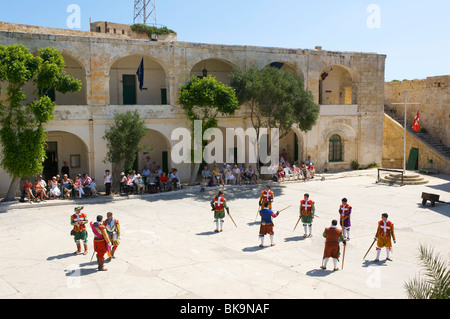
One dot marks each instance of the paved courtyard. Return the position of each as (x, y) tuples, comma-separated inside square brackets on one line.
[(169, 249)]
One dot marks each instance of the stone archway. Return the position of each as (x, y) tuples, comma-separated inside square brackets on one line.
[(337, 86), (220, 69), (157, 149), (124, 85), (66, 147)]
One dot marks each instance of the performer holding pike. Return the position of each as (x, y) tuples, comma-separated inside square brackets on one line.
[(333, 235), (113, 230), (345, 211), (383, 236), (266, 227), (102, 244)]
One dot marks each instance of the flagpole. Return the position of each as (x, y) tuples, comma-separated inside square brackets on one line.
[(404, 138)]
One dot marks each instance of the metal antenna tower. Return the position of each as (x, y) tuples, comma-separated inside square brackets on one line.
[(144, 11)]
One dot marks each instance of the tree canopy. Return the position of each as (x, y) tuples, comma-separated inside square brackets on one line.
[(23, 118), (276, 98)]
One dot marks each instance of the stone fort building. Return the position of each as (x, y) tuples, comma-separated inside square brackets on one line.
[(350, 126)]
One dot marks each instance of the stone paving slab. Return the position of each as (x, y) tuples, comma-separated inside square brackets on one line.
[(169, 249)]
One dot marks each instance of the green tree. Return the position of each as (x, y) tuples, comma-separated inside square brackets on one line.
[(435, 280), (123, 142), (203, 100), (23, 118), (275, 98)]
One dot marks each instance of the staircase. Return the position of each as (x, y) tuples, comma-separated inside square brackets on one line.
[(424, 137)]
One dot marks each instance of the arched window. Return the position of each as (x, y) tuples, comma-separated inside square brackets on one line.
[(335, 151)]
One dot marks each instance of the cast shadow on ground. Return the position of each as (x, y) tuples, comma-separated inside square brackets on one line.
[(61, 256), (207, 233), (253, 248), (370, 263), (295, 238), (319, 272)]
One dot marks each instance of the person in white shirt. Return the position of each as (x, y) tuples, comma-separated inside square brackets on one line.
[(107, 178), (237, 174)]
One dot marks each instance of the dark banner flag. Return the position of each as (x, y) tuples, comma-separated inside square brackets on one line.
[(140, 74)]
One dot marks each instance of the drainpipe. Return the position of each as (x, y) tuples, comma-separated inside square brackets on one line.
[(91, 148)]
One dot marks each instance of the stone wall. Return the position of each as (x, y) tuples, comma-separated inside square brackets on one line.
[(393, 149), (433, 94)]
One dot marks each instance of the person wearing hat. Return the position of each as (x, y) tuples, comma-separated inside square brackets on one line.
[(139, 184), (307, 211), (79, 220)]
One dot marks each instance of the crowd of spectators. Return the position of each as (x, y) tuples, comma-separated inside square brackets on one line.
[(57, 187)]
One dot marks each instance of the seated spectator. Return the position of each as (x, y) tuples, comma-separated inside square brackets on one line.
[(310, 166), (304, 171), (163, 180), (295, 172), (129, 185), (66, 186), (244, 173), (237, 174), (54, 191), (287, 172), (228, 175), (206, 176), (86, 180), (280, 173), (152, 183), (139, 184), (252, 174), (217, 175), (145, 174), (27, 188), (40, 188), (78, 186), (93, 187), (175, 179)]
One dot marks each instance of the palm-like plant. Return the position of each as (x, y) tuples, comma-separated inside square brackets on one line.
[(435, 280)]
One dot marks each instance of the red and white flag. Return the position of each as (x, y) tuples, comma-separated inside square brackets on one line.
[(416, 123)]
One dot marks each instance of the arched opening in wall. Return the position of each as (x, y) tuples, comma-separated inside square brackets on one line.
[(291, 148), (288, 67), (337, 86), (156, 155), (125, 87), (65, 147), (72, 68), (335, 148), (217, 68), (76, 70)]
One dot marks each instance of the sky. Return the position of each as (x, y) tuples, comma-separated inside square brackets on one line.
[(414, 35)]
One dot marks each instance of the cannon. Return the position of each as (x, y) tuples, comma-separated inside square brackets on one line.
[(433, 198)]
